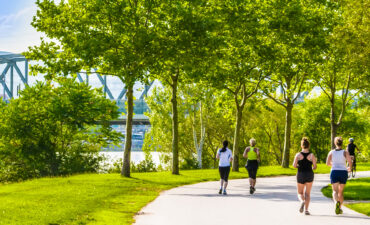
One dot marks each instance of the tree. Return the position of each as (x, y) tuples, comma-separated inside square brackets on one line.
[(238, 59), (112, 36), (345, 69), (217, 121), (297, 30), (333, 78), (159, 137), (194, 99), (182, 34), (266, 124)]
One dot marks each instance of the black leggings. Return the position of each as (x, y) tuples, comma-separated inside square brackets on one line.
[(252, 167), (224, 172)]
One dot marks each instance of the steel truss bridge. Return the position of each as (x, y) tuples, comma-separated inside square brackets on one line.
[(14, 76)]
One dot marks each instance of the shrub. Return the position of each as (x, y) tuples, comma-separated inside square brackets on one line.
[(51, 130)]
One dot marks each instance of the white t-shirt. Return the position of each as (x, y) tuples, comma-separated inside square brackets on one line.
[(225, 157), (338, 160)]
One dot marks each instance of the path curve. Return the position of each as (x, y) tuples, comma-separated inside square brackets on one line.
[(275, 202)]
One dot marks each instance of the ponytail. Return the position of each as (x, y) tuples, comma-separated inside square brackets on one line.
[(225, 144), (338, 141), (305, 143)]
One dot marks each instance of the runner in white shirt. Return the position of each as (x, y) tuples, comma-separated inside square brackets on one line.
[(337, 159), (225, 156)]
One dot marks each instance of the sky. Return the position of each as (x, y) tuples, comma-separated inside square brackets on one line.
[(16, 32)]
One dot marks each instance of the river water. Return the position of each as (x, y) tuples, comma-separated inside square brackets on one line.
[(136, 156)]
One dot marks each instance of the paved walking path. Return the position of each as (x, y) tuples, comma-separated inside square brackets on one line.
[(275, 202)]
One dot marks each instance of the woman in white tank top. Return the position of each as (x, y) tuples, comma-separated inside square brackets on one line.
[(337, 159)]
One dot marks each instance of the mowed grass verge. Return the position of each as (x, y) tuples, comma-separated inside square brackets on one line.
[(102, 198), (356, 189)]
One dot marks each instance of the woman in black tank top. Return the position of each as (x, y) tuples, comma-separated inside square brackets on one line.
[(305, 161)]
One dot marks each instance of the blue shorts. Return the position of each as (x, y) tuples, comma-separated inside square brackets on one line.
[(338, 176)]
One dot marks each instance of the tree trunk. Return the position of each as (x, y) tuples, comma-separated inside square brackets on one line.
[(239, 114), (199, 147), (128, 139), (53, 162), (175, 127), (288, 131), (333, 125)]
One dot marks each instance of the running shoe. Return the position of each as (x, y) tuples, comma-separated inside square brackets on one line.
[(301, 208), (254, 190), (307, 213), (340, 211), (250, 190), (337, 208), (220, 191), (225, 192)]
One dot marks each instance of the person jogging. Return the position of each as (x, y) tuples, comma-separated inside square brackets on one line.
[(338, 176), (253, 155), (305, 161), (225, 156)]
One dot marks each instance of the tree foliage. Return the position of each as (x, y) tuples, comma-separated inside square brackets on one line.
[(52, 130), (112, 37), (297, 33), (183, 41)]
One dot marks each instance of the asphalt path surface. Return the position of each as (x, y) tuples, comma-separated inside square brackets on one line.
[(274, 202)]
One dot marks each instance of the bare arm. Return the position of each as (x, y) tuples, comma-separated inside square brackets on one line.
[(218, 155), (231, 156), (258, 155), (349, 160), (245, 154), (314, 162), (328, 159), (295, 162)]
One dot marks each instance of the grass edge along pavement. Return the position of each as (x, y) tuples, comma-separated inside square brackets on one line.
[(356, 189), (103, 198)]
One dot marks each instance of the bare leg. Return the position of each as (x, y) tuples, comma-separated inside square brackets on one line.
[(254, 182), (222, 182), (340, 193), (250, 182), (300, 189), (335, 188), (225, 185), (307, 195)]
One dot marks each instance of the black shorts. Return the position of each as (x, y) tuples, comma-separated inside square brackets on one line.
[(305, 177), (224, 172), (252, 167)]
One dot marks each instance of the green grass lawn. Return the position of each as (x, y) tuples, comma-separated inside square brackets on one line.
[(360, 207), (101, 198), (356, 189)]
